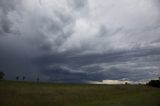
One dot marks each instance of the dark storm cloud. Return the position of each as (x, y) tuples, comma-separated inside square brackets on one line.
[(5, 24), (78, 4), (61, 74), (80, 41), (7, 6), (123, 56), (97, 72)]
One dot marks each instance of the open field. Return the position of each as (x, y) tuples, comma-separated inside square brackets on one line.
[(45, 94)]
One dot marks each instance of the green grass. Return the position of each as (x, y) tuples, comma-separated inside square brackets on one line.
[(44, 94)]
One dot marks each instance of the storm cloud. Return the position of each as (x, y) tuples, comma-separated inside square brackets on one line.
[(80, 41)]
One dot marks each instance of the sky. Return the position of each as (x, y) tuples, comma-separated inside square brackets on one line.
[(80, 40)]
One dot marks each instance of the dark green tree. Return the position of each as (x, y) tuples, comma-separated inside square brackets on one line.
[(38, 79), (17, 78), (2, 75), (23, 78), (154, 83)]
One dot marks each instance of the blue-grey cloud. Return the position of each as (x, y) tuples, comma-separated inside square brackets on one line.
[(80, 41)]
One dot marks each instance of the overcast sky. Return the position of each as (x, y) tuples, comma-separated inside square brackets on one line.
[(80, 40)]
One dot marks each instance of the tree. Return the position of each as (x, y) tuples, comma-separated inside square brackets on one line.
[(154, 83), (2, 75), (24, 78), (38, 79), (126, 83), (17, 78)]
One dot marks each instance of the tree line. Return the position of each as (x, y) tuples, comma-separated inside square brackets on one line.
[(153, 83), (2, 75)]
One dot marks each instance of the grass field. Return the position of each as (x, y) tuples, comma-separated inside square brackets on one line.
[(45, 94)]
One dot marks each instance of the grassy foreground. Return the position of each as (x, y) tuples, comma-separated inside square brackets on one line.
[(43, 94)]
